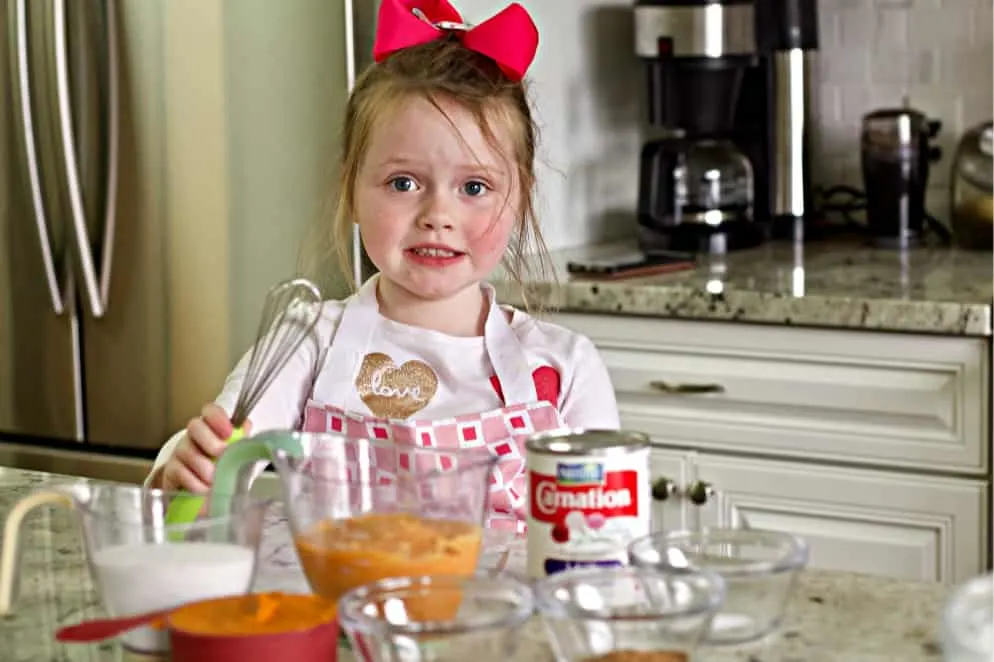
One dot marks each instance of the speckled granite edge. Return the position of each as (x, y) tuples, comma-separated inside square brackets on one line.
[(680, 302)]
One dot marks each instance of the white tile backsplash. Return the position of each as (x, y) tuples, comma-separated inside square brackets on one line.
[(937, 53), (589, 95)]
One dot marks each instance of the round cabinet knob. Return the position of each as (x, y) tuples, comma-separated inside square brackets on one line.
[(699, 492), (663, 489)]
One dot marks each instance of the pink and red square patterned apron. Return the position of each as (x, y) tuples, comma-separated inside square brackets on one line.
[(335, 406)]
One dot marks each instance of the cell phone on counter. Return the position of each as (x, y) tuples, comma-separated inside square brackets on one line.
[(632, 265)]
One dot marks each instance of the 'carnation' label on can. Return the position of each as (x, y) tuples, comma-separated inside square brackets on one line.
[(588, 498)]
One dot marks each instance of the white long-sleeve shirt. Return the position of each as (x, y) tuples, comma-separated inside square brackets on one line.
[(461, 366)]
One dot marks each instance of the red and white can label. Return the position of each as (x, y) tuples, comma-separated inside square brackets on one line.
[(585, 510)]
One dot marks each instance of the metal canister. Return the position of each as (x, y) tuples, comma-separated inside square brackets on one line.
[(588, 496)]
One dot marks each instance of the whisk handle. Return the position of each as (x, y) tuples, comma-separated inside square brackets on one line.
[(183, 509)]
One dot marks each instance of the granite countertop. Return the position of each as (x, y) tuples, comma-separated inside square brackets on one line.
[(832, 617), (831, 284)]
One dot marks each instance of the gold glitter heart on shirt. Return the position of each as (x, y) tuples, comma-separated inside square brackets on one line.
[(392, 391)]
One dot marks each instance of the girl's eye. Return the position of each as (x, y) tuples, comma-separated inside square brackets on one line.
[(474, 188), (402, 184)]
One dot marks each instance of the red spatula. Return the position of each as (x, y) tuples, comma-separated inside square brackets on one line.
[(105, 628)]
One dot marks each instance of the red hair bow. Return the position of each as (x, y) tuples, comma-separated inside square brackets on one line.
[(509, 38)]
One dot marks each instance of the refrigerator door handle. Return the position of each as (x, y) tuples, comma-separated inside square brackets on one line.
[(350, 76), (113, 154), (31, 150), (97, 290)]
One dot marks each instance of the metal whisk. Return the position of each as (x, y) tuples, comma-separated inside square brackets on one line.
[(289, 315)]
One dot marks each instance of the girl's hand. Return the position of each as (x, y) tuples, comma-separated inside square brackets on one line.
[(191, 466)]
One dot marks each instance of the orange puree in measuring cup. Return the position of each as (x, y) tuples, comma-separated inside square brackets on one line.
[(338, 555)]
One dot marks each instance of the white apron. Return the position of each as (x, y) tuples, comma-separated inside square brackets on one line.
[(336, 406)]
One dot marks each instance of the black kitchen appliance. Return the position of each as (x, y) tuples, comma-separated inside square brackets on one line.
[(896, 152), (729, 89)]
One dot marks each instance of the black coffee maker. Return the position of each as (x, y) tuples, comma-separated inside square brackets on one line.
[(729, 96)]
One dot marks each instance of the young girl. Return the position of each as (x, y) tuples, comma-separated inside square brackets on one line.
[(438, 172)]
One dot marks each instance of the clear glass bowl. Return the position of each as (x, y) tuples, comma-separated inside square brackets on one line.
[(759, 568), (590, 612), (968, 622), (437, 618)]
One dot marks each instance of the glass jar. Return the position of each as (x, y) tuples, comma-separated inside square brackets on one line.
[(971, 210)]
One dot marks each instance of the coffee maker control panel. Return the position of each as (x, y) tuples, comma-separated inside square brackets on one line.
[(668, 28)]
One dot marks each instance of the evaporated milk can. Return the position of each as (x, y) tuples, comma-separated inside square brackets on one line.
[(588, 497)]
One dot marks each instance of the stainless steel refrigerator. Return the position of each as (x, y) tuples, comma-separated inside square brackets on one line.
[(161, 165)]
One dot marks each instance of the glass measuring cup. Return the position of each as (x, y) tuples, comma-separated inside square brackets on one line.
[(362, 510), (138, 563)]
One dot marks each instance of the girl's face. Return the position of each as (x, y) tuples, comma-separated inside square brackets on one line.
[(435, 202)]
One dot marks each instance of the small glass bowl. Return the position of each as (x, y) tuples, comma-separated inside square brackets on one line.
[(759, 568), (968, 622), (437, 619), (590, 612)]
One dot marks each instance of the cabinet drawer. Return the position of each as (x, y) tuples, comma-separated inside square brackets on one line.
[(885, 523), (885, 399)]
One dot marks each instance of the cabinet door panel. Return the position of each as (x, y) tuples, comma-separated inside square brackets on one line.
[(861, 520)]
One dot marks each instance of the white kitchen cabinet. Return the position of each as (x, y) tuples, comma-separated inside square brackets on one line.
[(881, 399), (884, 523), (875, 447)]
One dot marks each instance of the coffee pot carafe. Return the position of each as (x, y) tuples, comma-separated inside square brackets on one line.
[(714, 183), (702, 189)]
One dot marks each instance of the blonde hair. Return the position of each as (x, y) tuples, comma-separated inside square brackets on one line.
[(444, 69)]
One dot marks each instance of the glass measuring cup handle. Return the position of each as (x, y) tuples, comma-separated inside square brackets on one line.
[(234, 468), (184, 508), (9, 556)]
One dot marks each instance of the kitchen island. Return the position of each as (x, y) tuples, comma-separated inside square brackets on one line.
[(832, 617)]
